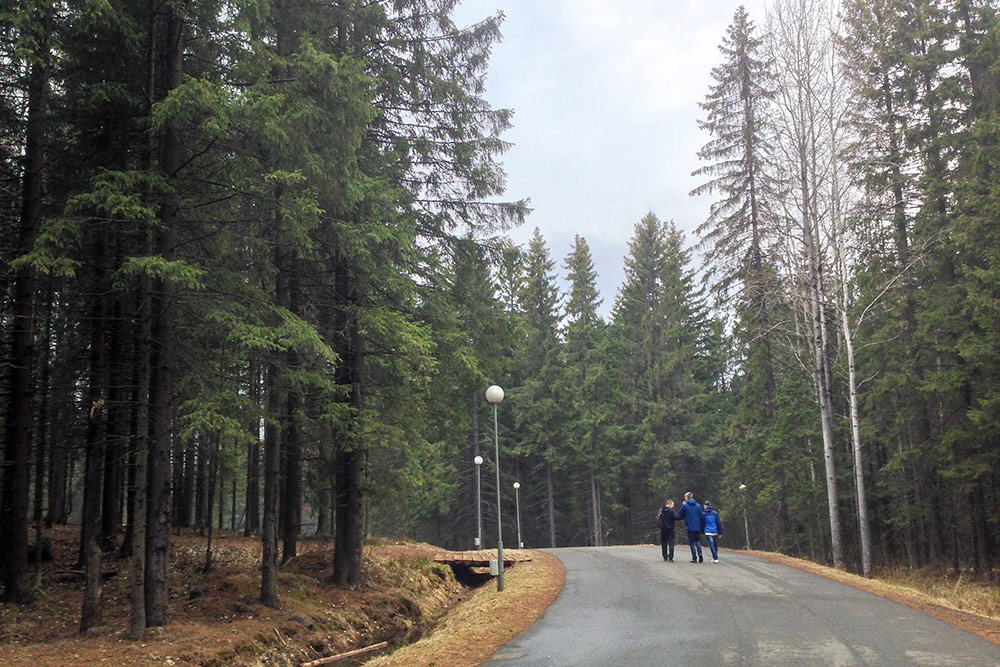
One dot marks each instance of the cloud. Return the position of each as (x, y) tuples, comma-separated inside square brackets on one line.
[(606, 97)]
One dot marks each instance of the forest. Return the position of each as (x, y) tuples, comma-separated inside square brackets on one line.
[(255, 277)]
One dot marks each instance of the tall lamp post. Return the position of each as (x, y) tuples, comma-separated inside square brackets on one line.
[(517, 506), (479, 505), (746, 526), (493, 396)]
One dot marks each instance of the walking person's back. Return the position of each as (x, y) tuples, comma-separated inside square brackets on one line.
[(694, 520), (667, 516), (713, 529)]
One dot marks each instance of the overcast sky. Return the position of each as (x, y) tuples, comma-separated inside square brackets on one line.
[(605, 94)]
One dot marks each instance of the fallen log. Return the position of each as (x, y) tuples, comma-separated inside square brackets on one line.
[(341, 656)]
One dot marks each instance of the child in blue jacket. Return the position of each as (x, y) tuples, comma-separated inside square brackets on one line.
[(713, 529)]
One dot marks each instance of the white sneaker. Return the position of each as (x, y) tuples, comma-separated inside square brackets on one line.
[(715, 560)]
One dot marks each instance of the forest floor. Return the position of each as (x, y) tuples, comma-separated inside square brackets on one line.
[(215, 618)]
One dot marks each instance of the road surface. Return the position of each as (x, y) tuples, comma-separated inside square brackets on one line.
[(627, 606)]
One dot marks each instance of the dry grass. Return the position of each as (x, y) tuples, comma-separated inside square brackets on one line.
[(403, 593), (473, 631), (958, 592), (971, 605)]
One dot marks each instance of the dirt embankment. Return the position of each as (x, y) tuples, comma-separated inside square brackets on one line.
[(215, 617)]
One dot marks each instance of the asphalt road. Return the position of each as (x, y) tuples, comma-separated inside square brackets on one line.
[(627, 606)]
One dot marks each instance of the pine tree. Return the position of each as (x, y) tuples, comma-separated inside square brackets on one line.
[(740, 230), (539, 415), (582, 382), (657, 327), (35, 51)]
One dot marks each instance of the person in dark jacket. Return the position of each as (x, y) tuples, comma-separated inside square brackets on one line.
[(694, 521), (713, 529), (667, 516)]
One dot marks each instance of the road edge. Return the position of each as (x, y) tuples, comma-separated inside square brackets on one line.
[(982, 626), (480, 625)]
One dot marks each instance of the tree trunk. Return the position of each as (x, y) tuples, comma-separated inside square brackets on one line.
[(196, 482), (272, 465), (117, 411), (595, 508), (58, 457), (349, 530), (137, 587), (163, 337), (864, 525), (232, 504), (213, 475), (90, 548), (158, 494), (821, 378), (291, 502), (847, 331), (42, 428), (143, 370), (252, 524), (90, 613), (351, 454), (551, 503), (220, 484), (17, 452)]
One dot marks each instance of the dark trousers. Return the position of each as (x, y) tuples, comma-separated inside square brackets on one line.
[(694, 539), (667, 543)]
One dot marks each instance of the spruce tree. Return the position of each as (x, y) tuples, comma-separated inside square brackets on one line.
[(582, 385), (740, 230), (539, 413)]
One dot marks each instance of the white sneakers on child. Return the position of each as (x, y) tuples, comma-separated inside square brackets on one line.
[(715, 560)]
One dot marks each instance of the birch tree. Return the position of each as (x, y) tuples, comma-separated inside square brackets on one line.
[(798, 42)]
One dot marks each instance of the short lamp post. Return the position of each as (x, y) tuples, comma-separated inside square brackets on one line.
[(479, 503), (746, 526), (517, 506), (494, 395)]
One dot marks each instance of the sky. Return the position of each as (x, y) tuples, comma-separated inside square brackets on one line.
[(605, 95)]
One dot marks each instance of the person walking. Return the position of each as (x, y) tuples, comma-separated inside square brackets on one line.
[(667, 516), (713, 529), (694, 521)]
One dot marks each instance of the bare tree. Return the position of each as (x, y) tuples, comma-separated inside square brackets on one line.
[(800, 40), (840, 190)]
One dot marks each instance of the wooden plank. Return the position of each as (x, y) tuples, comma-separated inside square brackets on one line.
[(479, 558)]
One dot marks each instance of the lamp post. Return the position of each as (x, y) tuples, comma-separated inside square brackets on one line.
[(479, 505), (746, 526), (517, 506), (494, 395)]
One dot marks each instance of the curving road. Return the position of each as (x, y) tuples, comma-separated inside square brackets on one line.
[(626, 606)]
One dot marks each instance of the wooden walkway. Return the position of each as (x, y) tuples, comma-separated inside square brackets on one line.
[(481, 558)]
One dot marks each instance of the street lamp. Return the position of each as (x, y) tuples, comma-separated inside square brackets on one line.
[(746, 526), (479, 505), (493, 396), (517, 505)]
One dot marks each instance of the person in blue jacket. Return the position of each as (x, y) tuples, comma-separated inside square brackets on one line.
[(666, 518), (713, 529), (694, 520)]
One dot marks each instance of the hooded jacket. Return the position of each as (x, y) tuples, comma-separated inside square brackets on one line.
[(692, 514), (713, 522), (667, 516)]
